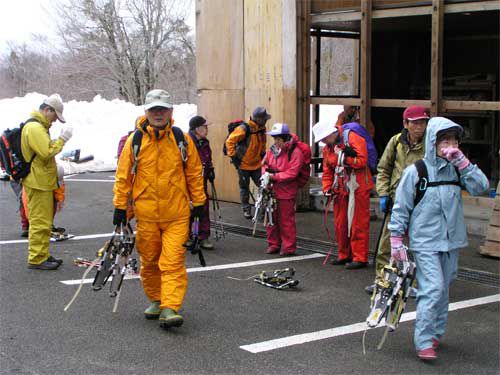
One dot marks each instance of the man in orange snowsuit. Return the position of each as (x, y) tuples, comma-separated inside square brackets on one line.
[(246, 148), (344, 167), (168, 177)]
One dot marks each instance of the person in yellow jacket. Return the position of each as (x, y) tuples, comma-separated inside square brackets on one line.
[(160, 192), (246, 148), (41, 182)]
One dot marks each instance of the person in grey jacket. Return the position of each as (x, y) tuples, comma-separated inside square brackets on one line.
[(435, 226)]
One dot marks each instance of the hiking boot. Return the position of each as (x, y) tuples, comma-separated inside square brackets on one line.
[(370, 288), (58, 229), (206, 244), (340, 262), (188, 243), (272, 250), (247, 213), (355, 265), (45, 266), (428, 354), (169, 318), (153, 311), (55, 260), (435, 344), (287, 253), (25, 233)]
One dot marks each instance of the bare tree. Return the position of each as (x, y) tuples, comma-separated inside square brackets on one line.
[(129, 43)]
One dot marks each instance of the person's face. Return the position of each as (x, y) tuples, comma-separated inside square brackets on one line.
[(278, 141), (201, 131), (416, 129), (261, 121), (450, 142), (349, 110), (50, 114), (331, 139), (159, 116)]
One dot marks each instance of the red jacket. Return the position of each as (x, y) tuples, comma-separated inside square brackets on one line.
[(285, 184), (359, 164)]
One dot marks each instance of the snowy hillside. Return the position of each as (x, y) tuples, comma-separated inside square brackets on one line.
[(98, 126)]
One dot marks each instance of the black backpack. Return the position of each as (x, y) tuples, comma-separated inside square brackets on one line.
[(179, 139), (242, 146), (423, 182), (11, 157)]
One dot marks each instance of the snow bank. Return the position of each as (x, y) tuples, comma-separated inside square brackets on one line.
[(97, 125)]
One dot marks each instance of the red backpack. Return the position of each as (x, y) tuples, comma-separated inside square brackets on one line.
[(305, 170)]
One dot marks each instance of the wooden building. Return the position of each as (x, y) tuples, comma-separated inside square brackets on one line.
[(443, 54)]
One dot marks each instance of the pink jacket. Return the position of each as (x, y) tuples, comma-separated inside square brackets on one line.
[(285, 184)]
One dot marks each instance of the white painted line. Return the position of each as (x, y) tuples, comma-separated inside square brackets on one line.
[(70, 175), (265, 346), (86, 180), (220, 266), (76, 238)]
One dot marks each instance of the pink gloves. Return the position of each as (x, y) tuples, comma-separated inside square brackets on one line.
[(398, 249), (456, 157)]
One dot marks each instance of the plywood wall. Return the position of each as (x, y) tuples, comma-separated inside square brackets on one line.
[(246, 57)]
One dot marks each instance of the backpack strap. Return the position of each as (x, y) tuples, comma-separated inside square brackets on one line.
[(423, 181), (290, 151), (181, 143), (345, 136), (136, 147)]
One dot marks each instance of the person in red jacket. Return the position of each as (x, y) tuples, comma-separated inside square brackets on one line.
[(283, 162), (347, 178)]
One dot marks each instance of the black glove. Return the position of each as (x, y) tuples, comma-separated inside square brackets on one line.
[(349, 151), (211, 174), (197, 211), (236, 161), (119, 216)]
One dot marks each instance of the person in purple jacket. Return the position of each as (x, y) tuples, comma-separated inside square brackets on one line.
[(198, 131)]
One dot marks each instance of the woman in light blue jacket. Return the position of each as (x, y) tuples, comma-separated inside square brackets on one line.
[(435, 225)]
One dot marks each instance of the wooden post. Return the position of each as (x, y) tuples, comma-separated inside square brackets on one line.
[(436, 55), (303, 83), (366, 52)]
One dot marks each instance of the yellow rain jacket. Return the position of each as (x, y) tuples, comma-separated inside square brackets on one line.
[(256, 150), (35, 139), (163, 186)]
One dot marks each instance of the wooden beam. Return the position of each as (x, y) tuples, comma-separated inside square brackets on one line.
[(399, 103), (478, 6), (335, 101), (436, 54), (448, 105), (366, 53)]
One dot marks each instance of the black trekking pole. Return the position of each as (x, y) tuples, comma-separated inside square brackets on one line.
[(217, 214), (386, 215)]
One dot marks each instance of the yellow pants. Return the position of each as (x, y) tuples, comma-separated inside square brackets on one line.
[(41, 216), (163, 269)]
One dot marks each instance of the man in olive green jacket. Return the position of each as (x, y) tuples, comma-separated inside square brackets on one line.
[(41, 182), (402, 150)]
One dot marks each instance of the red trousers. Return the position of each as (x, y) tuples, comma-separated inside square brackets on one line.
[(355, 247), (283, 234)]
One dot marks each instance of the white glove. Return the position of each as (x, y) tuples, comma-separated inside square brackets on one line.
[(66, 134), (265, 179)]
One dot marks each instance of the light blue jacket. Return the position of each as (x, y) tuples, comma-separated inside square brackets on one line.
[(437, 222)]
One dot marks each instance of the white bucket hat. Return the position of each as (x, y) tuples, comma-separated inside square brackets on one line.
[(323, 129)]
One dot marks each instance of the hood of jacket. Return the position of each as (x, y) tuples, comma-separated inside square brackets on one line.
[(435, 125), (41, 118), (143, 125)]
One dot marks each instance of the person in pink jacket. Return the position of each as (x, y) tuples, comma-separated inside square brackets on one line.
[(283, 162)]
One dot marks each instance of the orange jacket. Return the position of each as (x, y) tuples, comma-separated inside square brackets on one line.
[(359, 164), (256, 145), (163, 185)]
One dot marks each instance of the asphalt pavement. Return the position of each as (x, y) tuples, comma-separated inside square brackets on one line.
[(231, 326)]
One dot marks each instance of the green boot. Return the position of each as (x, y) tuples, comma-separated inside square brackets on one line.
[(153, 311), (169, 318)]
